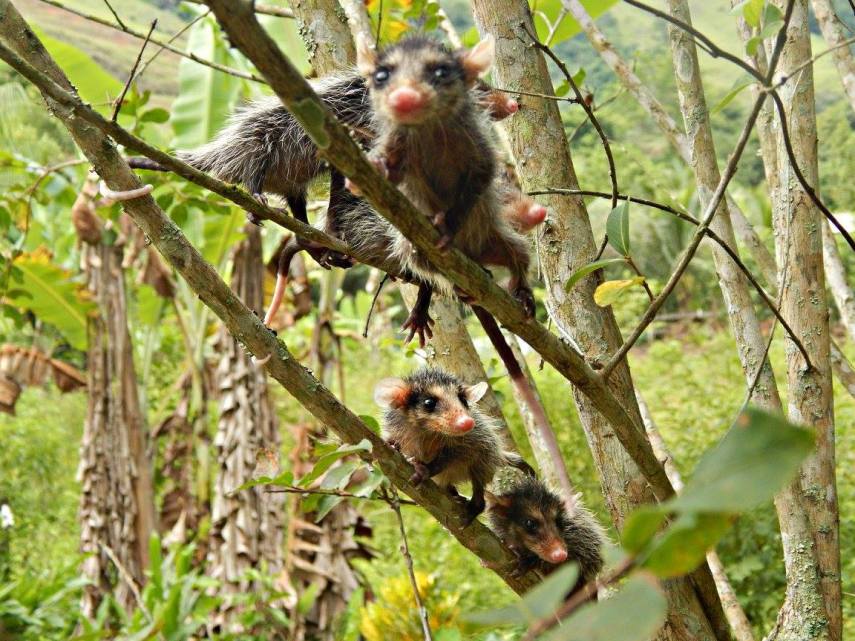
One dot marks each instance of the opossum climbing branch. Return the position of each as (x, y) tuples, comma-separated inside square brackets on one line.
[(241, 322), (336, 146)]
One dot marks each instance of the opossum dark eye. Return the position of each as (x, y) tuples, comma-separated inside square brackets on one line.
[(530, 525), (381, 75), (441, 72), (462, 397), (429, 404)]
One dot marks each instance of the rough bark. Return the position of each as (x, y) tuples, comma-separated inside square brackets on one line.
[(834, 32), (117, 496), (323, 28), (798, 226), (566, 243), (246, 528)]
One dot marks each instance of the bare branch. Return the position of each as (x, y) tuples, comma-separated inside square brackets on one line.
[(165, 45), (118, 102), (264, 9)]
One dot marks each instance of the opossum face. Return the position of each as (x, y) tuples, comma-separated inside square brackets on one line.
[(419, 80), (533, 518), (430, 400)]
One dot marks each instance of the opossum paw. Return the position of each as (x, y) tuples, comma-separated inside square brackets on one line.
[(420, 323), (332, 258), (352, 187), (463, 297), (255, 220), (445, 235), (525, 297), (394, 445), (422, 472)]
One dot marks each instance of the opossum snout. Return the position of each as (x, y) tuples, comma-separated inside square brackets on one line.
[(558, 554), (405, 101), (535, 215), (512, 106), (463, 423)]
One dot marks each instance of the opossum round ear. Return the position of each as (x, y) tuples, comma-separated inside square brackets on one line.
[(475, 393), (366, 55), (497, 502), (391, 392), (478, 60)]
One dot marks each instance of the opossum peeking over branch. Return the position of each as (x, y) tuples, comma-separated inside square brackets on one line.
[(544, 532), (432, 418)]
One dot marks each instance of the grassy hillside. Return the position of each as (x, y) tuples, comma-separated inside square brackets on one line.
[(114, 50)]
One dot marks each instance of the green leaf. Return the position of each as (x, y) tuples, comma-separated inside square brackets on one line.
[(641, 526), (371, 422), (759, 454), (684, 544), (752, 10), (617, 228), (338, 477), (562, 89), (327, 460), (307, 599), (155, 569), (325, 505), (374, 480), (751, 45), (286, 479), (741, 83), (547, 12), (539, 602), (580, 273), (155, 115), (635, 613), (220, 235), (53, 297), (205, 95), (611, 290), (579, 76)]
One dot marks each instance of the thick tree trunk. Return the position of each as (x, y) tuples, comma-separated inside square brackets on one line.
[(798, 226), (835, 34), (246, 528), (117, 501), (567, 243)]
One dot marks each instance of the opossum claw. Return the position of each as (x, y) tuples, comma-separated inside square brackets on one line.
[(262, 361), (253, 218), (418, 322), (525, 297), (422, 472), (445, 236)]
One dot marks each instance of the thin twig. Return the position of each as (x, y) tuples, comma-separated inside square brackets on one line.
[(117, 105), (598, 107), (712, 206), (408, 560), (767, 299), (590, 112), (635, 268), (766, 87), (168, 47), (534, 94), (115, 15), (175, 37), (807, 63), (292, 489), (374, 302), (265, 9), (126, 576)]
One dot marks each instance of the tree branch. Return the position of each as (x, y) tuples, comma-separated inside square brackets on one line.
[(241, 322)]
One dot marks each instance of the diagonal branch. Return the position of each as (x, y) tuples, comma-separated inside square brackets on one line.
[(241, 322)]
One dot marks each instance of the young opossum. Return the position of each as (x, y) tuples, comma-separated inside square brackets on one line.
[(431, 417), (435, 143), (264, 148), (361, 227), (537, 526)]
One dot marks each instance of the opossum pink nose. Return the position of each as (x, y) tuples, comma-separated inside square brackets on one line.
[(405, 100), (464, 423), (558, 555), (512, 106)]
